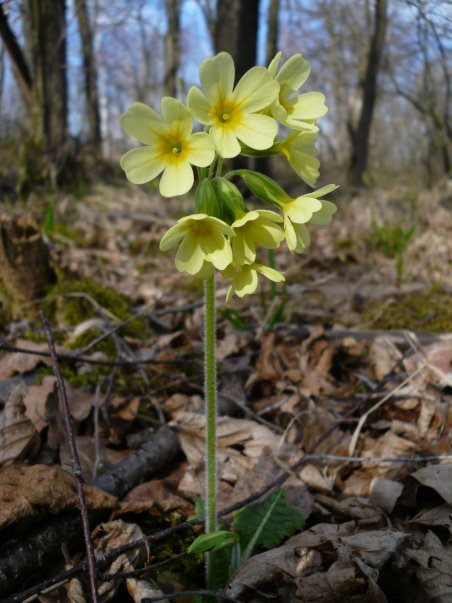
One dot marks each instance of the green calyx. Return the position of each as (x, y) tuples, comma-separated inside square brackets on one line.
[(263, 187)]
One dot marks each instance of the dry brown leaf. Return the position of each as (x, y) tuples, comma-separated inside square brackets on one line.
[(240, 445), (39, 490), (21, 362), (437, 477), (389, 445), (318, 478), (230, 432), (156, 497), (439, 356), (384, 493), (18, 437), (232, 343), (36, 400), (326, 563), (110, 536), (141, 590), (433, 568), (437, 517), (383, 356)]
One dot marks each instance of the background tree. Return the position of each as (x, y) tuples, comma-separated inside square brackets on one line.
[(360, 136), (173, 8), (43, 85), (236, 32), (90, 75)]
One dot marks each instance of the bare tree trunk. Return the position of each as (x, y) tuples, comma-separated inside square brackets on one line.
[(48, 40), (273, 30), (43, 85), (90, 73), (236, 31), (360, 137), (19, 64), (172, 47)]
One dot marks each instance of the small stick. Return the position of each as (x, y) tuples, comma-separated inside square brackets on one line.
[(76, 468)]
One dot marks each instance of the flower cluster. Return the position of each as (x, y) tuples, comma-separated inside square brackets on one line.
[(237, 118)]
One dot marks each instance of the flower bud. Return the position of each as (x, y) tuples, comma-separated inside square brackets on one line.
[(231, 197), (206, 199), (263, 187)]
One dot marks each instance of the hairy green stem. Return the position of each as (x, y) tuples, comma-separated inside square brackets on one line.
[(210, 395)]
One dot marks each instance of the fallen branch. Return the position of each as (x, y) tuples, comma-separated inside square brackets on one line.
[(22, 558)]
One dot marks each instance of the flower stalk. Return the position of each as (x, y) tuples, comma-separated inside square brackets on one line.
[(210, 401)]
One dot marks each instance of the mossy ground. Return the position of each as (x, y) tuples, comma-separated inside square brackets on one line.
[(426, 312)]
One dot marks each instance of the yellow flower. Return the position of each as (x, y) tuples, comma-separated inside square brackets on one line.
[(255, 228), (201, 238), (245, 278), (300, 151), (297, 212), (171, 146), (297, 112), (231, 112)]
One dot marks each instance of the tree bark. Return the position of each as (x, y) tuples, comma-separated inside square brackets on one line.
[(25, 268), (172, 47), (18, 62), (360, 137), (90, 75), (272, 30), (236, 32)]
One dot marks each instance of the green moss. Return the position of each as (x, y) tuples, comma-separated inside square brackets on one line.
[(72, 300), (428, 312), (348, 244)]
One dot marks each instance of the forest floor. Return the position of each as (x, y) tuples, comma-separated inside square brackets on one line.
[(348, 363)]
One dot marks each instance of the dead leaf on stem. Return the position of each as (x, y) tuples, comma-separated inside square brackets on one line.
[(18, 437)]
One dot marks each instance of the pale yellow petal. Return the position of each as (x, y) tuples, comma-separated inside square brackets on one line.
[(270, 273), (176, 115), (294, 72), (243, 248), (274, 64), (245, 282), (199, 106), (255, 90), (310, 105), (221, 257), (141, 122), (173, 236), (200, 150), (303, 238), (141, 165), (300, 210), (217, 77), (306, 166), (291, 237), (225, 141), (257, 131), (189, 257), (177, 179)]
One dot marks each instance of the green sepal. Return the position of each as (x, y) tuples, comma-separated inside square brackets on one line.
[(206, 199), (231, 197), (263, 187), (213, 541), (247, 151)]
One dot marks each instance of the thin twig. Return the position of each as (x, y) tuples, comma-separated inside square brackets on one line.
[(100, 362), (191, 593), (337, 458), (146, 568), (76, 468)]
